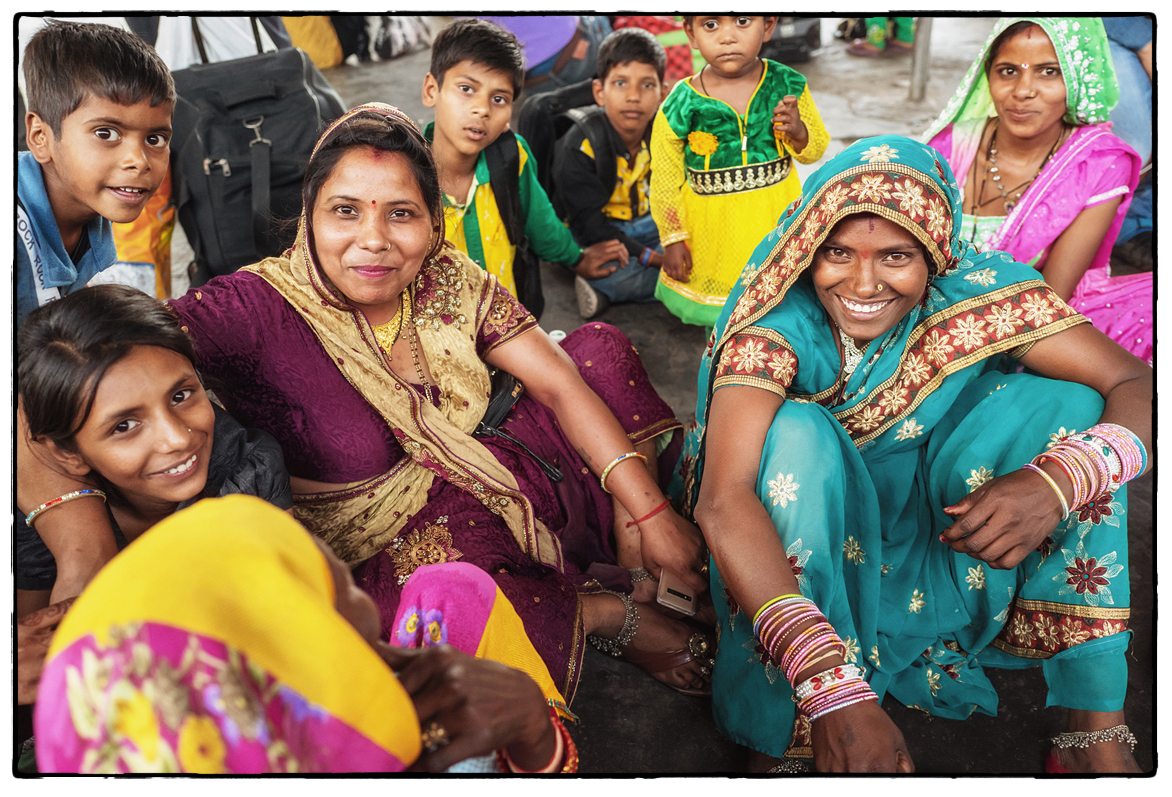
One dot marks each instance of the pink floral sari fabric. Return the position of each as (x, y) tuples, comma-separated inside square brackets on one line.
[(213, 645), (162, 699)]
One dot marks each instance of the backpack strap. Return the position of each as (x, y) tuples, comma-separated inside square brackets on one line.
[(504, 175), (504, 170), (594, 125)]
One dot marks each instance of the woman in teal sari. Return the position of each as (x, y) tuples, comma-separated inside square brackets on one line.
[(870, 486)]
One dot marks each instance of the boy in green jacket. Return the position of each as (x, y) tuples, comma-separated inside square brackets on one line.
[(477, 71)]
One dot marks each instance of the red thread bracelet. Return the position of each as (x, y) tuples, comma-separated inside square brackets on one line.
[(650, 514)]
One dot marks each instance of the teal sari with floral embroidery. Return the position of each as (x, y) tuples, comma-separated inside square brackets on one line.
[(855, 471)]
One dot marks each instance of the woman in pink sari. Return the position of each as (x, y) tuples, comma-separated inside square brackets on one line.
[(1043, 177)]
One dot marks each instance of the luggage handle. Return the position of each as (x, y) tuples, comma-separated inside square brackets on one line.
[(203, 53)]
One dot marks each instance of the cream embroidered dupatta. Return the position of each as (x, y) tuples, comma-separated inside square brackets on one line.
[(452, 300)]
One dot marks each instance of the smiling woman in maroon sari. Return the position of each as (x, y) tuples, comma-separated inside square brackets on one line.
[(366, 351)]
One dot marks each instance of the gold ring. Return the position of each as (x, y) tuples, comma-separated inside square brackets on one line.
[(434, 737)]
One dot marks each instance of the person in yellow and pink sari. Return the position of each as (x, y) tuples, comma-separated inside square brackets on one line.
[(228, 641)]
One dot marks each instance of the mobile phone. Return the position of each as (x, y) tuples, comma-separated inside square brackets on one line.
[(674, 594)]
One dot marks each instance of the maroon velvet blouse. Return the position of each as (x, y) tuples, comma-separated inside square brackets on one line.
[(267, 367)]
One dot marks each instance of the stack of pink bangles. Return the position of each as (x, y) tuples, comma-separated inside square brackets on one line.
[(1097, 461), (797, 636)]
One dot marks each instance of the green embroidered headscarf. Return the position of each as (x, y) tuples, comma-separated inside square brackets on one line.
[(1083, 54)]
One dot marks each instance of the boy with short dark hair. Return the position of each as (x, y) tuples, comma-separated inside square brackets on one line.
[(602, 170), (476, 73), (98, 129)]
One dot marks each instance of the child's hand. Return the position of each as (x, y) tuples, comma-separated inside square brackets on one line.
[(601, 259), (677, 261), (788, 121)]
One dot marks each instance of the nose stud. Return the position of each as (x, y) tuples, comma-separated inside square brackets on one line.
[(1033, 94), (879, 288)]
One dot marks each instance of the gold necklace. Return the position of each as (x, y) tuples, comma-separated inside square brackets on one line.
[(383, 333)]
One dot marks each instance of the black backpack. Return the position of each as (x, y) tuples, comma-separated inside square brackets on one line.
[(244, 130), (539, 124), (595, 127), (504, 166)]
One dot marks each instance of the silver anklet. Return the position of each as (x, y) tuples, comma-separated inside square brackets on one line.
[(1084, 739), (639, 574), (789, 766), (630, 625)]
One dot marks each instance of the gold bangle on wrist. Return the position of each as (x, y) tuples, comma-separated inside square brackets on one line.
[(606, 471)]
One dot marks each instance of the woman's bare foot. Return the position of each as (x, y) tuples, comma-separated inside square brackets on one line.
[(1112, 755)]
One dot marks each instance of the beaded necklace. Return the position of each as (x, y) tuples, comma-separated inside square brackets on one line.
[(992, 171), (851, 354), (388, 334), (413, 334)]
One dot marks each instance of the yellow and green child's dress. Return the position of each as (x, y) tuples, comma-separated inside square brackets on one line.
[(720, 181)]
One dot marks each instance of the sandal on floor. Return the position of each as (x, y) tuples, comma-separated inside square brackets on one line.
[(699, 649), (662, 661)]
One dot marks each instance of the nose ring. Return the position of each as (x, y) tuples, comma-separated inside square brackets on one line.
[(879, 288)]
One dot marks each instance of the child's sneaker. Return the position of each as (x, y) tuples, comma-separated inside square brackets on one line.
[(590, 301)]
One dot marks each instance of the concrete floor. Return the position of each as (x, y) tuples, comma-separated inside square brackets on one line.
[(632, 724)]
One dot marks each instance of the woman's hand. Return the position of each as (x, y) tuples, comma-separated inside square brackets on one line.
[(859, 738), (1004, 519), (597, 259), (677, 261), (788, 121), (669, 542), (482, 705), (34, 633)]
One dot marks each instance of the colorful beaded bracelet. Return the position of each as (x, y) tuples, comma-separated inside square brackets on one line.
[(62, 499)]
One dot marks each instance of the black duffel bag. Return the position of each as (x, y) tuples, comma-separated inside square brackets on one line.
[(244, 130)]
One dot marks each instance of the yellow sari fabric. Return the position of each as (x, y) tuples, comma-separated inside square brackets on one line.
[(240, 571)]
